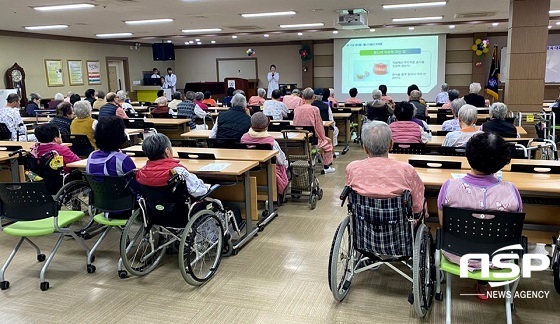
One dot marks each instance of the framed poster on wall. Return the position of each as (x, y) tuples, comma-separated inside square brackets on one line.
[(93, 72), (75, 72), (53, 69)]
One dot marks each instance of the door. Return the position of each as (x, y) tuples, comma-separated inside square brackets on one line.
[(118, 73), (113, 79)]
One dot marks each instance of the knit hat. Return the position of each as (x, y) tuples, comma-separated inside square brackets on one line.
[(259, 122)]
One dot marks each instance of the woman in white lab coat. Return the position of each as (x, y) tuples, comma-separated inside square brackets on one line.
[(273, 78)]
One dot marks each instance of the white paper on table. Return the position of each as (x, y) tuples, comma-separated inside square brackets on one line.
[(215, 167), (292, 135), (458, 175)]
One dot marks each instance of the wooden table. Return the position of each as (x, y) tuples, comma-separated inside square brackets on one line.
[(345, 117), (235, 170), (31, 120), (204, 134), (435, 128)]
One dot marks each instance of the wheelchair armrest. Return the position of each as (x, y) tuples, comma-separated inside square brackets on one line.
[(439, 242), (344, 194), (212, 188)]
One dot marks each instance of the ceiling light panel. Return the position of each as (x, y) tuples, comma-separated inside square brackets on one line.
[(415, 5), (201, 30), (268, 14), (148, 21), (417, 19), (46, 27), (65, 7), (302, 25)]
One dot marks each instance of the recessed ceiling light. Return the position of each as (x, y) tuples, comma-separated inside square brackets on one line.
[(46, 27), (266, 35), (335, 32), (549, 27), (187, 43), (268, 14), (495, 24), (65, 7), (213, 42), (300, 34), (191, 42), (558, 23), (197, 39), (415, 5), (169, 41), (199, 43), (410, 28), (201, 30), (302, 25), (417, 19), (148, 21), (451, 26), (372, 30), (113, 35), (554, 12), (234, 36)]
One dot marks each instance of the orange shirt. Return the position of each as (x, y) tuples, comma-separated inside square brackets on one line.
[(209, 102)]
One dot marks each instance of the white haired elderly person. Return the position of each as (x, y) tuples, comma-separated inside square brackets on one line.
[(294, 100), (58, 98), (122, 98), (443, 96), (498, 123), (473, 98), (467, 118), (161, 109), (421, 109), (198, 97), (391, 177), (259, 99), (378, 109), (233, 123), (83, 124), (453, 124), (452, 95)]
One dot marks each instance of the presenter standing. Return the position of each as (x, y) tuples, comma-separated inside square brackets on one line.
[(273, 78), (170, 80)]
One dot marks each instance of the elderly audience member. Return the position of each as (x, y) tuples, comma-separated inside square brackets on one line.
[(274, 108), (258, 134), (443, 96), (198, 97), (188, 109), (467, 118), (387, 99), (226, 102), (453, 94), (405, 130), (391, 177), (378, 109), (352, 101), (421, 110), (161, 110), (33, 105), (208, 100), (293, 101), (74, 98), (453, 124), (58, 98), (487, 154), (175, 100), (308, 115), (498, 123), (90, 96), (321, 102), (112, 107), (83, 124), (63, 118), (332, 101), (233, 123), (10, 116), (48, 140), (473, 98), (100, 102), (69, 95), (259, 99), (122, 99)]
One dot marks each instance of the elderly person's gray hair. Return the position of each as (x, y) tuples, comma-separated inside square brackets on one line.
[(239, 100), (456, 105), (468, 115), (161, 101), (34, 96), (308, 94), (453, 94), (295, 91), (59, 96), (376, 94), (261, 92), (101, 94), (69, 93), (376, 138), (475, 87), (444, 87), (189, 95), (498, 110), (121, 95), (154, 146), (82, 109), (199, 96), (239, 91), (415, 95)]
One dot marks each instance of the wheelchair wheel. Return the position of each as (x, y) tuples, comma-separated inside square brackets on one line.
[(140, 246), (423, 269), (556, 268), (200, 251), (75, 196), (341, 261)]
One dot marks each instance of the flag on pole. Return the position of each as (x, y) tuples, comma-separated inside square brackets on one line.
[(494, 75)]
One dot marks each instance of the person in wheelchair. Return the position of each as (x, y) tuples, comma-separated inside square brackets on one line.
[(377, 176), (49, 140), (161, 166), (487, 153)]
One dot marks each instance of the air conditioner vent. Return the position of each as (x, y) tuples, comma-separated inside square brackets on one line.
[(474, 15)]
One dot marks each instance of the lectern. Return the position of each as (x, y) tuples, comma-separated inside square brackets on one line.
[(237, 84)]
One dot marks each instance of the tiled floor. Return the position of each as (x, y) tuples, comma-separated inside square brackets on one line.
[(279, 277)]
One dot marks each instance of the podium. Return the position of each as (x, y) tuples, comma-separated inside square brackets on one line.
[(237, 84)]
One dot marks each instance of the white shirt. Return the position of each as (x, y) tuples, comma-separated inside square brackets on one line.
[(170, 81), (155, 76), (272, 83), (11, 117)]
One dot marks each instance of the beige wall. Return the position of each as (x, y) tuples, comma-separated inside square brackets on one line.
[(199, 64), (30, 54)]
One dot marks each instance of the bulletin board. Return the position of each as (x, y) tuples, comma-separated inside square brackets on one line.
[(245, 68)]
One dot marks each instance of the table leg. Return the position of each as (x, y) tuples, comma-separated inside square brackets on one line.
[(14, 168), (269, 181), (250, 230)]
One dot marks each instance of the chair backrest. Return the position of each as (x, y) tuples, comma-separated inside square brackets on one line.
[(435, 164), (353, 105), (111, 193), (313, 140), (26, 201), (255, 108), (139, 123), (256, 146), (160, 115), (167, 206), (409, 148), (134, 153), (443, 115), (196, 156), (81, 146), (5, 133), (184, 143), (475, 231), (10, 148), (551, 169), (441, 133), (42, 166), (452, 151), (222, 142), (290, 115), (342, 110), (277, 126)]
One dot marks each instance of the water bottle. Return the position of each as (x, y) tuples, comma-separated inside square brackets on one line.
[(429, 134), (499, 175), (32, 176)]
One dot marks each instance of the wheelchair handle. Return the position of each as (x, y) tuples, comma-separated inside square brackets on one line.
[(344, 194), (17, 152), (173, 178)]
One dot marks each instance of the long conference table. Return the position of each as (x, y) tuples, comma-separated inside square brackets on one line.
[(436, 128)]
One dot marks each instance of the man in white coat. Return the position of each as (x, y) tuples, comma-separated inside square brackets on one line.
[(273, 78), (170, 80)]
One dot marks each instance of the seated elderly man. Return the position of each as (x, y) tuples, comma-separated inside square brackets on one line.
[(473, 98), (233, 123), (293, 101), (378, 109), (391, 177), (498, 123), (467, 119), (453, 124), (452, 95), (259, 99), (10, 116), (415, 96)]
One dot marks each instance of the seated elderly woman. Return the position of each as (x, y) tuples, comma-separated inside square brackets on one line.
[(405, 130), (160, 162), (391, 177), (63, 118), (487, 154), (473, 98), (208, 100), (198, 97), (233, 123), (162, 109), (176, 100), (258, 134), (259, 99), (467, 118), (498, 123), (378, 109), (83, 124), (122, 99), (58, 98), (453, 124), (294, 100), (309, 115), (453, 94), (226, 102), (275, 108), (443, 96), (352, 100)]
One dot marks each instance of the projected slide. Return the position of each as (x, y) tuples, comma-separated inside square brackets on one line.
[(394, 61)]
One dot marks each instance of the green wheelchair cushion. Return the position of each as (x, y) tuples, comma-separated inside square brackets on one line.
[(43, 226), (100, 219), (453, 268), (353, 124)]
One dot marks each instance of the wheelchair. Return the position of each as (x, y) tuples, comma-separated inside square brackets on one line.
[(555, 263), (382, 232), (201, 228)]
